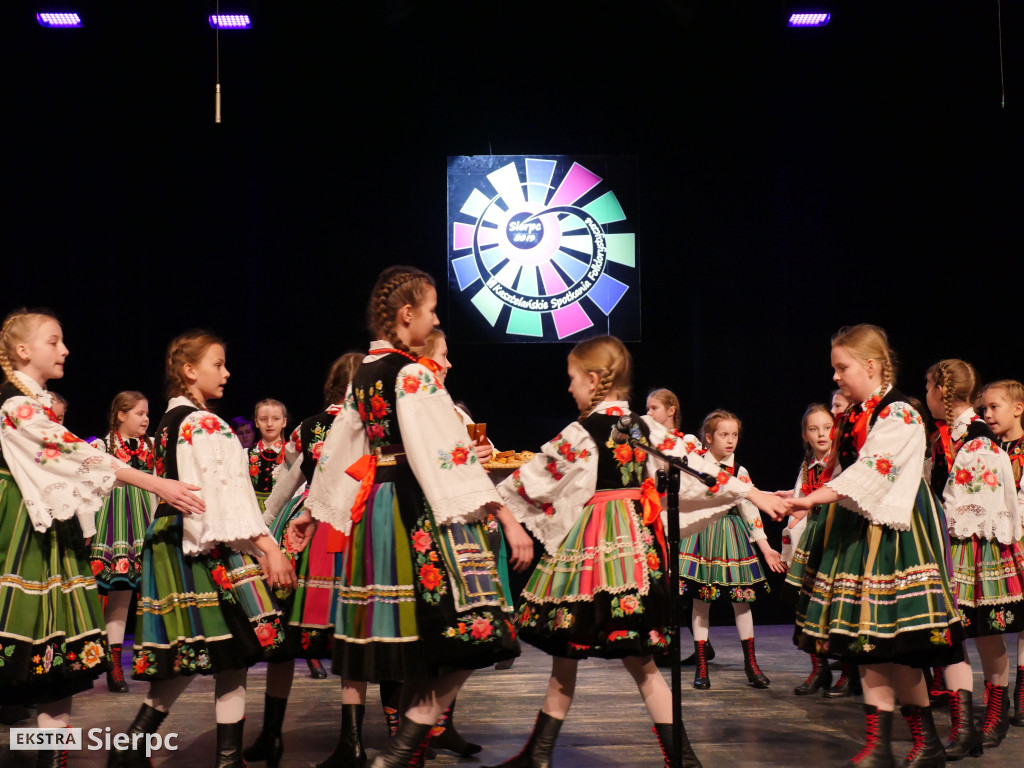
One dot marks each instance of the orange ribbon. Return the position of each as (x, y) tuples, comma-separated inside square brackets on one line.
[(650, 500), (364, 469), (946, 440)]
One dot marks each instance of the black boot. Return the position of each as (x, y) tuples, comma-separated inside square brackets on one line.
[(964, 736), (690, 660), (52, 758), (701, 681), (937, 691), (348, 753), (819, 679), (115, 675), (755, 676), (997, 715), (390, 695), (229, 745), (687, 759), (147, 720), (877, 752), (1018, 698), (269, 745), (538, 750), (449, 738), (405, 749), (927, 751), (316, 669), (847, 684)]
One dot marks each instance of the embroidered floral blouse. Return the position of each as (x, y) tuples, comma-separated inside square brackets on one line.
[(59, 475), (980, 497), (434, 441), (883, 481), (210, 456), (562, 478), (751, 515)]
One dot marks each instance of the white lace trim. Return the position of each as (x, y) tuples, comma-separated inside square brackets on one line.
[(970, 520), (464, 508), (864, 495), (82, 499)]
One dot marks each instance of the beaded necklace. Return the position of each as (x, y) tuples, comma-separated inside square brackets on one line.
[(131, 452), (389, 350), (272, 453)]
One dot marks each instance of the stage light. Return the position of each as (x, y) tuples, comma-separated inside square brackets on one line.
[(811, 19), (61, 20), (231, 21)]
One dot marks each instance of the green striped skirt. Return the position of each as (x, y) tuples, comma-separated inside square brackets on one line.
[(52, 637), (794, 576), (116, 553), (604, 592), (201, 614), (988, 578), (871, 594), (416, 599), (718, 563)]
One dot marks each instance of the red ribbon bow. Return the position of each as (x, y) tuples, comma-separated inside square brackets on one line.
[(364, 469)]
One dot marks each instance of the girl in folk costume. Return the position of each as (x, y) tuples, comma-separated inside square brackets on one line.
[(601, 587), (816, 429), (52, 640), (973, 476), (418, 595), (875, 589), (121, 524), (1003, 402), (203, 605), (839, 404), (307, 610), (663, 406), (719, 563), (267, 456)]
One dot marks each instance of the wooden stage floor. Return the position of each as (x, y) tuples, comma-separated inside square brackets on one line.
[(730, 724)]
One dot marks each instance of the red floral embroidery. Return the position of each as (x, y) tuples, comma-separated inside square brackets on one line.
[(97, 567), (884, 466), (460, 455), (141, 664), (884, 413), (653, 561), (24, 411), (122, 566), (121, 454), (481, 629), (67, 437), (552, 468), (723, 478), (51, 450), (990, 478), (266, 633), (628, 604), (315, 453), (639, 456), (421, 541), (209, 424), (378, 407), (8, 423), (220, 575), (186, 433), (430, 577), (667, 444), (410, 384), (963, 477), (618, 634), (623, 454)]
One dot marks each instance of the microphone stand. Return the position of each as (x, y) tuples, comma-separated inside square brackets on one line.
[(668, 483)]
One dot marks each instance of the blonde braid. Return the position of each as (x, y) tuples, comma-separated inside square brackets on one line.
[(385, 317), (605, 384), (388, 296), (6, 342), (947, 393)]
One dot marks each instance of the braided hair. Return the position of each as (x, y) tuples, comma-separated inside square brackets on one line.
[(713, 419), (123, 402), (189, 348), (338, 378), (396, 287), (668, 399), (17, 329), (869, 342), (958, 381), (610, 360)]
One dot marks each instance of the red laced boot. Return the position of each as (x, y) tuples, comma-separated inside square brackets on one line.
[(877, 752), (927, 751), (819, 679), (997, 715), (964, 737), (755, 676), (701, 681)]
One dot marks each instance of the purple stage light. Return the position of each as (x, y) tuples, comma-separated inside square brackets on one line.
[(815, 19), (64, 20), (231, 21)]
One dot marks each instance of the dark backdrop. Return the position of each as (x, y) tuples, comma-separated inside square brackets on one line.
[(791, 182)]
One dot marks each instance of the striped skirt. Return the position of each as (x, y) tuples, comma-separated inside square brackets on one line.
[(201, 614), (871, 594), (416, 599), (307, 611), (718, 563), (116, 553), (794, 576), (604, 592), (52, 638), (988, 579)]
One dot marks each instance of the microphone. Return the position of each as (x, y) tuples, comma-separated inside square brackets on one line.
[(624, 427)]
